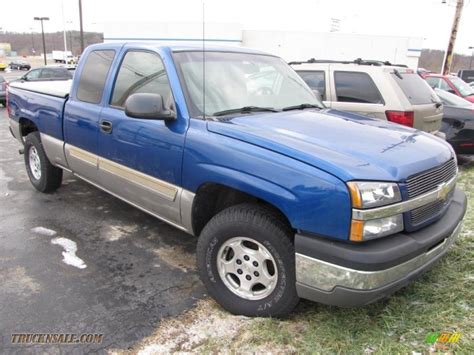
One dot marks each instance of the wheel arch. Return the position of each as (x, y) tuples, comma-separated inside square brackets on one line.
[(212, 197)]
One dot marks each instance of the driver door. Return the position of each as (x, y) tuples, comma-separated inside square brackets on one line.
[(141, 158)]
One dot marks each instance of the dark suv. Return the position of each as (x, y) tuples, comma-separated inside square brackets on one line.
[(20, 65)]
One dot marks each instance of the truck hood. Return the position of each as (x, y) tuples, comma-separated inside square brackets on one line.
[(349, 146)]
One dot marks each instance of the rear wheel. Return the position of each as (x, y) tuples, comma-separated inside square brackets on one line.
[(247, 262), (43, 175)]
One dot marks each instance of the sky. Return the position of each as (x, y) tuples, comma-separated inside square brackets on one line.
[(429, 19)]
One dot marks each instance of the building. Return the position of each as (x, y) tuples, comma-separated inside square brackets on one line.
[(291, 46), (5, 49)]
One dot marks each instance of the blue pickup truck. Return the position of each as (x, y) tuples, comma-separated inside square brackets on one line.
[(289, 199)]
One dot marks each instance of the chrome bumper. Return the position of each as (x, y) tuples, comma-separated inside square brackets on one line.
[(325, 276)]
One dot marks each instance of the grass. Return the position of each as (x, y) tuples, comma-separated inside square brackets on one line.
[(441, 300)]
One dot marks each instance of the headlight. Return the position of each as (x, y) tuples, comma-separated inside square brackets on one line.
[(376, 228), (368, 194)]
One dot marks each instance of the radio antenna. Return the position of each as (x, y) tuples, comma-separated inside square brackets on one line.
[(203, 62)]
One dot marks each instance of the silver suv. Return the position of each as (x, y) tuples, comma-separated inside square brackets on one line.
[(376, 89)]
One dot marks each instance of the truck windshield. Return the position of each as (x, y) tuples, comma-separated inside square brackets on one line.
[(233, 81)]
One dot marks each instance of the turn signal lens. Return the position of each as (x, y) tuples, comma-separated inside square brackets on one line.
[(357, 231)]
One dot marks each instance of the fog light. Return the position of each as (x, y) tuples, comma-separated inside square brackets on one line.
[(376, 228)]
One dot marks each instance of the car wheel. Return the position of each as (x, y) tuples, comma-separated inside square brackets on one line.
[(43, 175), (246, 260)]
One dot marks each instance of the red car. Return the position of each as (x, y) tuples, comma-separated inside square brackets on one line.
[(452, 84)]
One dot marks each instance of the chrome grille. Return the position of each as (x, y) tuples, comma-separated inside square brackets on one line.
[(428, 180), (426, 212)]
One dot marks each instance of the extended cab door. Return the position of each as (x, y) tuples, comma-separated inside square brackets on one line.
[(141, 158), (81, 115), (355, 91)]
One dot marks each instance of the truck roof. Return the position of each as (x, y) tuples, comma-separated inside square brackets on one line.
[(184, 47)]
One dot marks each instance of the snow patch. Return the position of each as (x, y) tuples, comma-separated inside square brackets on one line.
[(69, 253), (44, 231)]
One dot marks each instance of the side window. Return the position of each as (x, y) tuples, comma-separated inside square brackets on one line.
[(93, 76), (34, 74), (316, 81), (443, 85), (141, 72), (356, 87), (433, 82), (48, 73)]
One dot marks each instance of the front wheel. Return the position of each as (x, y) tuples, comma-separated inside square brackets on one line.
[(43, 175), (246, 260)]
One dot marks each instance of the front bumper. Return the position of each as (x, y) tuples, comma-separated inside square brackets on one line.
[(348, 275)]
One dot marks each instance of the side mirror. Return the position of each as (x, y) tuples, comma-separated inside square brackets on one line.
[(149, 106), (24, 78), (318, 95)]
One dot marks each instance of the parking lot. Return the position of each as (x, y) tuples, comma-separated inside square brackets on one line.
[(138, 269)]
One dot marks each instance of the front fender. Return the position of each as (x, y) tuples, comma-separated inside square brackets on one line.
[(311, 199)]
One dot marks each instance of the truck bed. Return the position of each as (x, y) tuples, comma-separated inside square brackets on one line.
[(41, 102), (58, 88)]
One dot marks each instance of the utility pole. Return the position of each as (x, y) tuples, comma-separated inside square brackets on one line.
[(32, 41), (472, 55), (80, 26), (448, 58), (42, 34)]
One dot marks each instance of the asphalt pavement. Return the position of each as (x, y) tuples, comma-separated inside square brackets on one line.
[(81, 261)]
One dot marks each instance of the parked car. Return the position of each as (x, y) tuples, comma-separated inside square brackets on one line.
[(3, 91), (3, 66), (467, 75), (289, 199), (458, 122), (451, 84), (49, 73), (374, 89), (20, 65)]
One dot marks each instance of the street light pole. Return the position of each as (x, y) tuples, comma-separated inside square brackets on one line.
[(42, 34)]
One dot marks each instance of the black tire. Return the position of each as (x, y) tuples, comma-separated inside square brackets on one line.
[(263, 226), (50, 176)]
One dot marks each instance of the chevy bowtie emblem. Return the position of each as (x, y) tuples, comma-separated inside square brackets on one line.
[(443, 191)]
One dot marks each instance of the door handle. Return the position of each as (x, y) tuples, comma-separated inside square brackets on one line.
[(106, 126)]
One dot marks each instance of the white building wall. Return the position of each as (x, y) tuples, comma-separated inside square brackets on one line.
[(290, 46), (294, 46)]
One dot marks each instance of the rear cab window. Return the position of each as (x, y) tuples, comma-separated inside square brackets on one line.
[(417, 91), (141, 72), (356, 87), (94, 75)]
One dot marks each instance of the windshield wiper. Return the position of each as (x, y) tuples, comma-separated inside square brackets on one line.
[(245, 109), (301, 107)]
